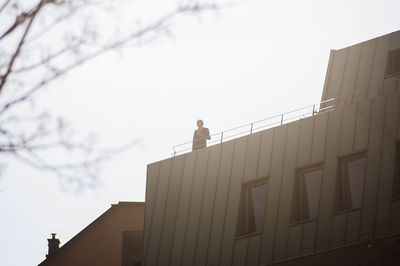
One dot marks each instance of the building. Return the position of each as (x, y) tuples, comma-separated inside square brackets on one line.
[(325, 188), (114, 238)]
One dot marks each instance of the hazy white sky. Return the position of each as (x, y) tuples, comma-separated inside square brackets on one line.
[(234, 67)]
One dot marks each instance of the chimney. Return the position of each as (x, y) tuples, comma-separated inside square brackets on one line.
[(54, 245)]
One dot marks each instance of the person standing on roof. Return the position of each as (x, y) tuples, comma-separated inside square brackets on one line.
[(201, 135)]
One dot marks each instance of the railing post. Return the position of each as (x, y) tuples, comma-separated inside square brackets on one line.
[(282, 119), (313, 109), (251, 128), (222, 136)]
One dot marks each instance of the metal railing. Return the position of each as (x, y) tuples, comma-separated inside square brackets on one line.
[(278, 120)]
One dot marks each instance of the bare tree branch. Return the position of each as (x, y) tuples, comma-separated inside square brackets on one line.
[(20, 19), (45, 41), (45, 60), (140, 33), (32, 16), (4, 5)]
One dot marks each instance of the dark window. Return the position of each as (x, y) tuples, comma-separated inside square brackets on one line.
[(252, 207), (350, 182), (132, 248), (396, 176), (393, 63), (306, 193)]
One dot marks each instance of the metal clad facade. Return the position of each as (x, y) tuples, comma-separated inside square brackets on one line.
[(192, 200)]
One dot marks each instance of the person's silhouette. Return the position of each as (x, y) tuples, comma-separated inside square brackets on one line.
[(200, 137)]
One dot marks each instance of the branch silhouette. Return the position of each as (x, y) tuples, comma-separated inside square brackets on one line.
[(43, 40)]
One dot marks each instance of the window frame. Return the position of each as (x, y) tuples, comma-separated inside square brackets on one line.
[(339, 205), (243, 219), (299, 177), (389, 63), (125, 255)]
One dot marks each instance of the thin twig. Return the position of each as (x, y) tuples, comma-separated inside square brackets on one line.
[(3, 78), (4, 5)]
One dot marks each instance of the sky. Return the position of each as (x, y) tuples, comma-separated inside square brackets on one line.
[(229, 68)]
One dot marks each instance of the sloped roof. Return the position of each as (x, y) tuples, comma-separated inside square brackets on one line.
[(90, 227)]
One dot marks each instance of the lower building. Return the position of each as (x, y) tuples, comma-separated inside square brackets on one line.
[(114, 239)]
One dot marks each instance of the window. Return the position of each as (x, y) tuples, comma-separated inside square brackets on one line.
[(252, 206), (132, 248), (396, 176), (350, 182), (393, 63), (306, 193)]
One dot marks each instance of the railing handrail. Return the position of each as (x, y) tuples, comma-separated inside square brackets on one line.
[(315, 111)]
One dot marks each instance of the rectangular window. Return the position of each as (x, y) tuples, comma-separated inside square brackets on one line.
[(393, 63), (252, 207), (350, 182), (132, 248), (306, 193), (396, 176)]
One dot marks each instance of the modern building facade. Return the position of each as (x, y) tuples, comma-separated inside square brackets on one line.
[(114, 238), (326, 182)]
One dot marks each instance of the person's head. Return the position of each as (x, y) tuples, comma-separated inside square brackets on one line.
[(200, 123)]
